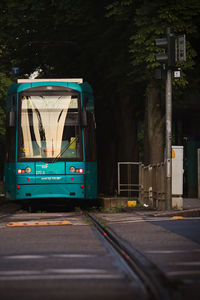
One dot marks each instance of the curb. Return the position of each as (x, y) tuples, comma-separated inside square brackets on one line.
[(184, 213)]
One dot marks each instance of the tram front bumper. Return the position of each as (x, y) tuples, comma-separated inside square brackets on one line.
[(50, 191)]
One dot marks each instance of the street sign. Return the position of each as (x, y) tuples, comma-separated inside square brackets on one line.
[(15, 70), (177, 73)]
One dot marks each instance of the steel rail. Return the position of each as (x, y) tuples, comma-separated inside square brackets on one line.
[(154, 280)]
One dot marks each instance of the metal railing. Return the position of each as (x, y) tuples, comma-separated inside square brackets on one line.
[(145, 183), (128, 179), (152, 185)]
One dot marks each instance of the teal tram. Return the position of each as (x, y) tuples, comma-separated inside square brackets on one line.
[(50, 143)]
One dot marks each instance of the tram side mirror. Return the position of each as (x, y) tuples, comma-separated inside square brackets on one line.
[(11, 118), (84, 117)]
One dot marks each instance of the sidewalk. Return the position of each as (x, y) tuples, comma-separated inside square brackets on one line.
[(191, 203), (191, 208)]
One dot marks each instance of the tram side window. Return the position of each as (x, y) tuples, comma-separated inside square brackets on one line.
[(90, 138)]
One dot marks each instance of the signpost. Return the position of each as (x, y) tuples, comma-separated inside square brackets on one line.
[(174, 50)]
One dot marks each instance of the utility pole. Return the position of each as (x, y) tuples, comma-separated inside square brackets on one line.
[(168, 137), (174, 50), (168, 58)]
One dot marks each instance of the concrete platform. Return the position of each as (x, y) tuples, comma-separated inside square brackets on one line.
[(189, 207), (113, 202)]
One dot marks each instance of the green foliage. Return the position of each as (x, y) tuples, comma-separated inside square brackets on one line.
[(115, 37), (119, 9), (109, 43), (150, 19), (4, 83)]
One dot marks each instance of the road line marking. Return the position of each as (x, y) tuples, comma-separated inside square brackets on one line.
[(177, 218), (24, 257), (48, 256), (172, 251), (54, 271), (64, 277), (77, 271), (39, 223), (56, 274), (179, 273), (19, 272), (187, 263), (73, 255)]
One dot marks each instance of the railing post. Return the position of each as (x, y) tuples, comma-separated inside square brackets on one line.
[(141, 183), (118, 174), (198, 173)]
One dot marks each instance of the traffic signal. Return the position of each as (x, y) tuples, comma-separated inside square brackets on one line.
[(168, 56)]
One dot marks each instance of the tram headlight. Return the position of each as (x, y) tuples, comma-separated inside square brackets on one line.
[(78, 170), (72, 169), (27, 169)]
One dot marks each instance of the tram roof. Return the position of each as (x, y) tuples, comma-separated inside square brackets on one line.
[(75, 80)]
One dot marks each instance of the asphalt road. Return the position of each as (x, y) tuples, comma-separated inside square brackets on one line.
[(189, 228), (73, 262), (59, 262), (172, 245)]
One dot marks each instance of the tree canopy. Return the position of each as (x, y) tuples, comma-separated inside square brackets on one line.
[(110, 44)]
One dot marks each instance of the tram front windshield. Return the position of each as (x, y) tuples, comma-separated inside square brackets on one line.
[(50, 127)]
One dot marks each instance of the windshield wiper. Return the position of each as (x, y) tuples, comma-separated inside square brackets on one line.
[(65, 149)]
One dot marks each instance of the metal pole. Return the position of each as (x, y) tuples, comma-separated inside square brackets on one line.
[(129, 181), (118, 192), (198, 173), (168, 162)]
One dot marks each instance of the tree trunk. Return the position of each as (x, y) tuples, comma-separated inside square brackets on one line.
[(127, 146), (106, 145), (126, 124), (154, 128), (117, 141)]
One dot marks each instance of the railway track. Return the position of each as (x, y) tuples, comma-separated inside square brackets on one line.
[(154, 281), (145, 277)]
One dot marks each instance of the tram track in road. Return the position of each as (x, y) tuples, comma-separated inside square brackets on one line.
[(72, 262), (126, 264), (155, 282)]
